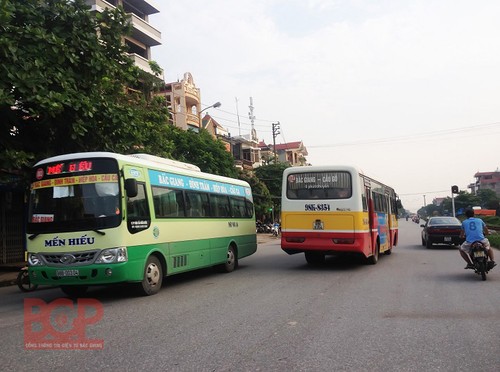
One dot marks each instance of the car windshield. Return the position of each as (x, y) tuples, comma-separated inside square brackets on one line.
[(444, 221)]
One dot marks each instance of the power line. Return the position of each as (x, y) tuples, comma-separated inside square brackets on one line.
[(437, 134)]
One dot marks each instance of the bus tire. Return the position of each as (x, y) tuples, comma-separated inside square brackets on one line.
[(231, 261), (373, 259), (153, 277), (74, 291), (314, 258)]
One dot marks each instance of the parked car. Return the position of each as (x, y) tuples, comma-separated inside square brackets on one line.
[(442, 230)]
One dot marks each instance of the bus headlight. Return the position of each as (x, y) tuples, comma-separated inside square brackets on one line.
[(34, 259), (113, 255)]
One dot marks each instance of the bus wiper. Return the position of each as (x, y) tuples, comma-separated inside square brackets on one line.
[(31, 237), (99, 232)]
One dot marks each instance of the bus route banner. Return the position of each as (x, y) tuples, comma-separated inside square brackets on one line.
[(61, 324)]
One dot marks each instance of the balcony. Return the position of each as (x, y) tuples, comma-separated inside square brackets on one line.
[(192, 120), (144, 32), (143, 64)]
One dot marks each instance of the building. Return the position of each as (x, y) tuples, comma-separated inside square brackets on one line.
[(293, 153), (183, 100), (143, 37), (486, 180)]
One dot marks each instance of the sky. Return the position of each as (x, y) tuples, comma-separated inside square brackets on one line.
[(407, 91)]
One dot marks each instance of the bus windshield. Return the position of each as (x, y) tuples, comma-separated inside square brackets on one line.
[(319, 185), (64, 198)]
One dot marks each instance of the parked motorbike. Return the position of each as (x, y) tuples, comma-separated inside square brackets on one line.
[(479, 256), (23, 281)]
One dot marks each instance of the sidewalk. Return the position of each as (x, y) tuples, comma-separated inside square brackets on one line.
[(8, 272)]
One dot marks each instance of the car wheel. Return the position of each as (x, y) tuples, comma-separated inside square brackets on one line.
[(428, 244), (423, 242)]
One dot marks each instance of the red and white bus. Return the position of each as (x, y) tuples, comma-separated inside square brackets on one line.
[(326, 210)]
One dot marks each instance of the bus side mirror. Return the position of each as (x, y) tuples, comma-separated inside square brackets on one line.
[(131, 187)]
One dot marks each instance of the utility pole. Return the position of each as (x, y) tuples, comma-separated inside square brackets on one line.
[(276, 127)]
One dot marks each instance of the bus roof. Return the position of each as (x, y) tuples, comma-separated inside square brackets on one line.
[(323, 168), (146, 160)]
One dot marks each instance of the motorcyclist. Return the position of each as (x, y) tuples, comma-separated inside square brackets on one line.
[(474, 229)]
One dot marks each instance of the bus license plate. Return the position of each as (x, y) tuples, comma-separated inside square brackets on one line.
[(447, 238), (63, 273)]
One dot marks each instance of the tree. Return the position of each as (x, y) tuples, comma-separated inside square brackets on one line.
[(64, 86), (63, 73), (488, 199), (261, 196), (202, 150), (272, 176)]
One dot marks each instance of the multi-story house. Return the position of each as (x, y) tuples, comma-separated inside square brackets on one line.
[(293, 153), (183, 100), (143, 37), (486, 180)]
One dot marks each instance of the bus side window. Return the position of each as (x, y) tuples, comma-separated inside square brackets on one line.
[(138, 217), (138, 206), (193, 204)]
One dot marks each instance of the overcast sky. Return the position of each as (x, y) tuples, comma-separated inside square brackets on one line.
[(408, 91)]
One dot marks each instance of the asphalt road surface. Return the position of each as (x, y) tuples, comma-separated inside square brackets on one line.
[(415, 310)]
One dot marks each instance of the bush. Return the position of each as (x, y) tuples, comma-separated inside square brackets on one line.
[(492, 221), (494, 240)]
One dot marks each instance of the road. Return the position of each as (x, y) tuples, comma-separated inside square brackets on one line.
[(416, 310)]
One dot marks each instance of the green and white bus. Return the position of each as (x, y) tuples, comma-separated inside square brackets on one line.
[(100, 218)]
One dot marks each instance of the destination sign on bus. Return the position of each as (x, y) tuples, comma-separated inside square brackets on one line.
[(318, 180), (69, 167), (198, 184)]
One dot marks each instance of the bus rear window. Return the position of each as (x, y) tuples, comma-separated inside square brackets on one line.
[(319, 185)]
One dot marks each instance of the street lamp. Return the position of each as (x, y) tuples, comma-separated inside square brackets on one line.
[(215, 105)]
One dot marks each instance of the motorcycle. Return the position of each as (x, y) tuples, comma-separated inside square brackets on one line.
[(23, 281), (479, 256), (275, 230)]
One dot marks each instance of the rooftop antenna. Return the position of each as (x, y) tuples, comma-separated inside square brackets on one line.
[(251, 116), (238, 115)]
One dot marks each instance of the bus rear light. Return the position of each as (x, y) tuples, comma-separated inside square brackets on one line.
[(295, 239), (343, 241)]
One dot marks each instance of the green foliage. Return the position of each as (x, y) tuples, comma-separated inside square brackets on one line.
[(488, 199), (261, 196), (492, 221), (63, 73), (272, 176), (494, 241), (202, 150)]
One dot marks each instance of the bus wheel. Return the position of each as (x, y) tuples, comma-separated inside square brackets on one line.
[(314, 258), (231, 262), (373, 259), (74, 291), (153, 277)]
